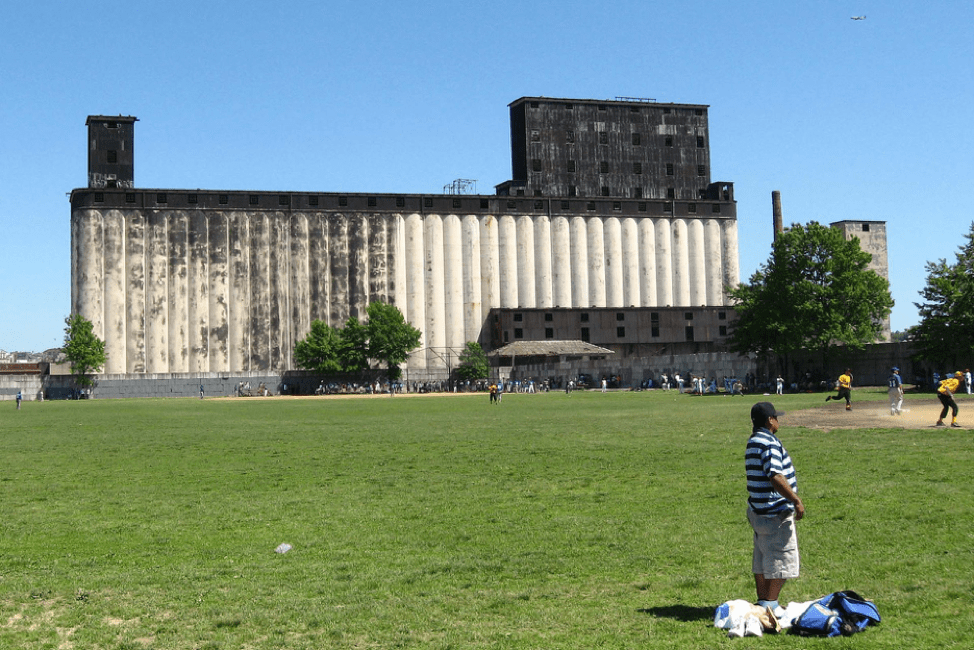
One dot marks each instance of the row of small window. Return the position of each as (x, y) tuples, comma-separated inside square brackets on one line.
[(549, 333), (620, 316), (637, 167), (632, 109), (636, 138)]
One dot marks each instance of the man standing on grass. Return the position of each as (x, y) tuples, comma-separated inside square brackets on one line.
[(945, 393), (773, 506), (895, 392)]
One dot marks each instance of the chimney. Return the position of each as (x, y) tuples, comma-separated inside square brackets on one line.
[(776, 213)]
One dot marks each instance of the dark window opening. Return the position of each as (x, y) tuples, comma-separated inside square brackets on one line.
[(688, 315), (620, 315), (603, 166), (723, 330), (112, 157), (284, 199), (689, 332), (668, 141), (130, 197), (400, 202), (669, 169), (518, 333), (225, 198), (162, 198), (536, 164), (192, 199), (565, 205), (427, 202), (641, 206), (539, 205), (549, 333), (572, 190), (637, 168), (603, 137), (484, 204), (511, 205), (699, 142), (637, 139), (549, 317), (584, 317), (371, 201), (722, 315), (716, 208), (313, 201), (605, 190), (535, 135), (620, 332), (585, 335), (518, 318), (571, 166), (343, 201), (99, 197), (456, 203), (254, 199), (701, 170), (692, 208)]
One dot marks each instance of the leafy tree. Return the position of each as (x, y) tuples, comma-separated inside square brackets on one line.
[(319, 349), (386, 337), (390, 337), (814, 292), (473, 363), (84, 350), (945, 333)]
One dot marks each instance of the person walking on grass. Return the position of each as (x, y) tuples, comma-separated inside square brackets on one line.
[(845, 389), (967, 380), (945, 393), (773, 506), (895, 392)]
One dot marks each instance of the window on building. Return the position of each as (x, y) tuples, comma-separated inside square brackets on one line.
[(620, 315), (722, 315), (512, 205), (518, 333), (666, 111), (549, 317), (668, 141), (698, 111), (633, 109), (285, 199), (669, 169), (572, 190), (571, 166), (637, 192), (692, 208), (456, 203), (689, 332), (637, 139), (565, 205), (536, 164), (654, 331), (505, 337), (584, 317), (99, 197), (605, 190), (585, 335), (130, 197), (400, 202), (641, 206), (671, 192), (518, 317), (617, 206), (484, 204), (667, 207), (162, 198), (428, 202), (549, 333), (865, 227), (637, 168), (569, 107), (699, 142), (343, 201), (535, 135), (603, 137), (701, 170), (621, 332), (603, 166), (688, 315), (723, 330), (715, 208), (590, 206), (112, 157), (534, 104), (224, 199), (254, 199), (603, 107), (313, 201), (538, 205), (192, 199)]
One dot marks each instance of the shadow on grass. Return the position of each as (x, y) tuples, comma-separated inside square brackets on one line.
[(683, 613)]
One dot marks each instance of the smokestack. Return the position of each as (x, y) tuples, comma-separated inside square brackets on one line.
[(776, 213)]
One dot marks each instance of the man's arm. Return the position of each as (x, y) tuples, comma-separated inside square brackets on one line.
[(780, 484)]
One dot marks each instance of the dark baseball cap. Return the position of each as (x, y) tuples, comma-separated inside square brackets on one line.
[(763, 411)]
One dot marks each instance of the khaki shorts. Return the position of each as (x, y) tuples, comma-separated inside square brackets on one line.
[(775, 545)]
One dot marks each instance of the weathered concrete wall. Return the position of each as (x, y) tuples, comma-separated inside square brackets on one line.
[(194, 290)]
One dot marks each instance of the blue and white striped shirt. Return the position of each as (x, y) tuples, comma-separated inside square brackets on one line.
[(764, 457)]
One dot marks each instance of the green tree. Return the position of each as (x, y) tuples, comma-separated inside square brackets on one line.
[(814, 292), (353, 351), (84, 350), (319, 350), (390, 337), (945, 333), (473, 363)]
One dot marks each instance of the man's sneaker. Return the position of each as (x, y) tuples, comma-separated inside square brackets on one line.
[(955, 425), (848, 407), (940, 424)]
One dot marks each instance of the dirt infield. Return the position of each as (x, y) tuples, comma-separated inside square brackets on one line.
[(918, 413)]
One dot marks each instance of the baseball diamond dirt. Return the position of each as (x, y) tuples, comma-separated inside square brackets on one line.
[(918, 413)]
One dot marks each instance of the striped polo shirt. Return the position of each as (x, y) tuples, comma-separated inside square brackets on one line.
[(764, 457)]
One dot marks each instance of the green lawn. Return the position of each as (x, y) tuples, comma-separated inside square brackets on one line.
[(550, 521)]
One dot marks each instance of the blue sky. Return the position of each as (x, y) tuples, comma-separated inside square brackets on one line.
[(848, 119)]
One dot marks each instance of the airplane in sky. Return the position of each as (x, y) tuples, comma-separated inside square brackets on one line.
[(858, 17)]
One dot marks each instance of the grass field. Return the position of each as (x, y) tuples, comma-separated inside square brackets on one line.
[(550, 521)]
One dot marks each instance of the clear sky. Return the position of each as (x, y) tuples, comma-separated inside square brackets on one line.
[(849, 119)]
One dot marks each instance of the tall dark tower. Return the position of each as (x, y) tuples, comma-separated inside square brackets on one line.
[(111, 155)]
